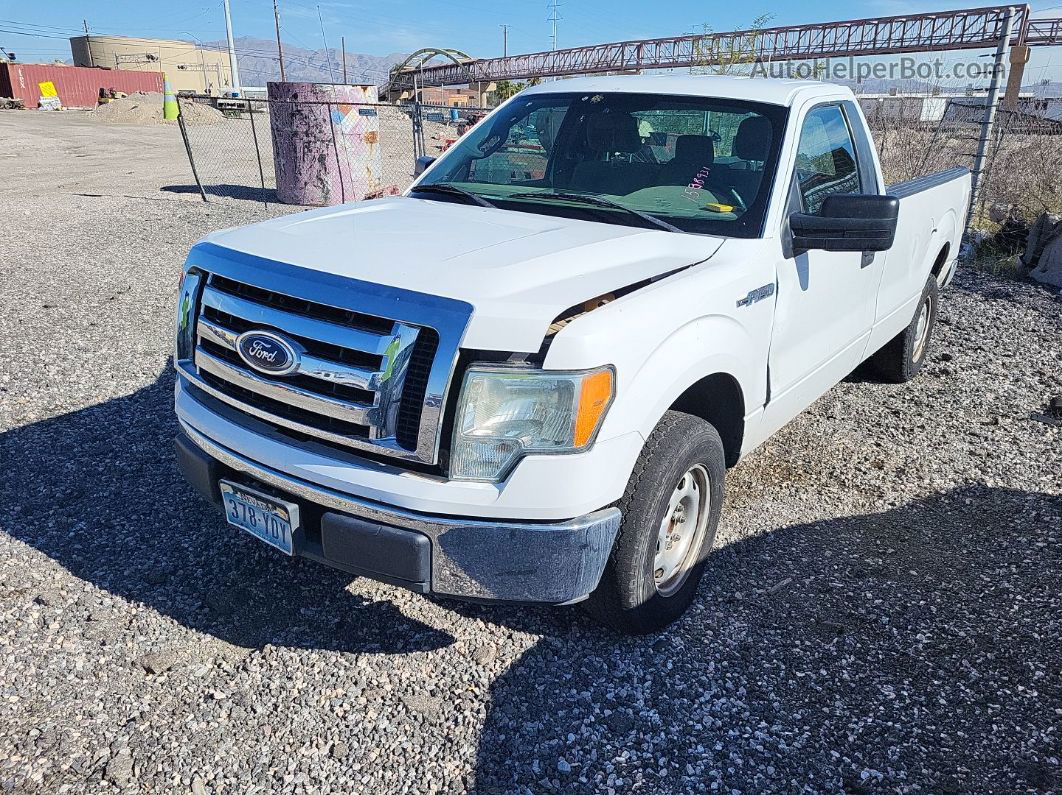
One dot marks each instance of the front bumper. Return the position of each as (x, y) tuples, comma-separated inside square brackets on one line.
[(549, 562)]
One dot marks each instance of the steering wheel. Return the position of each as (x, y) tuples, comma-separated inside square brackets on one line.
[(731, 191)]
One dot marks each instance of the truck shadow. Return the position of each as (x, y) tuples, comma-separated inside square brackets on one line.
[(97, 490), (222, 190), (921, 644), (913, 646)]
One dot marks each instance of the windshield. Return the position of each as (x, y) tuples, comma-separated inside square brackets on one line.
[(700, 164)]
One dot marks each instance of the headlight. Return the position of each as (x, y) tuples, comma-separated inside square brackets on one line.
[(504, 413), (187, 296)]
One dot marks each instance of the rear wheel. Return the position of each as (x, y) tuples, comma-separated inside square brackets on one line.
[(670, 514), (904, 355)]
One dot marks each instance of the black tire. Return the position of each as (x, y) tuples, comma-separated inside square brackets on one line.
[(903, 356), (628, 598)]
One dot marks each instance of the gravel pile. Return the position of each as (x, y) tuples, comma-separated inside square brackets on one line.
[(883, 613), (142, 107)]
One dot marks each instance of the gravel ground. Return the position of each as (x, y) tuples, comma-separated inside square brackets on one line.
[(882, 615)]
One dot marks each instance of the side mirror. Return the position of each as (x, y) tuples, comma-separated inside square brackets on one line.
[(847, 222), (422, 163)]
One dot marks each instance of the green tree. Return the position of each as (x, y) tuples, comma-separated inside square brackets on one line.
[(507, 88)]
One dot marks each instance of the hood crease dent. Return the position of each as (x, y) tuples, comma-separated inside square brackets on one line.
[(518, 270)]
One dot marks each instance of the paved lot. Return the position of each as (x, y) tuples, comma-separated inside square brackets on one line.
[(883, 613)]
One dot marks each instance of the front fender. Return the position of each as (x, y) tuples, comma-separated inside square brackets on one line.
[(653, 371), (702, 347), (667, 336)]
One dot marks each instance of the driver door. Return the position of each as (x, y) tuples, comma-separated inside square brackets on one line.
[(825, 304)]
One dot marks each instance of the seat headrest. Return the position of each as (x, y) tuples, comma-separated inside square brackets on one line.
[(753, 139), (695, 149), (613, 132)]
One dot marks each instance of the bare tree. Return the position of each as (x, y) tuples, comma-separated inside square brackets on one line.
[(731, 55)]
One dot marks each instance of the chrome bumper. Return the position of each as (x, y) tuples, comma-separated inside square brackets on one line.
[(478, 559)]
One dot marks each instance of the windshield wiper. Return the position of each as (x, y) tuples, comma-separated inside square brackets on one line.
[(601, 202), (447, 189)]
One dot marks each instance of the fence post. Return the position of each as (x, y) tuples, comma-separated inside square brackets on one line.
[(257, 151), (418, 123), (990, 111), (188, 149), (339, 162)]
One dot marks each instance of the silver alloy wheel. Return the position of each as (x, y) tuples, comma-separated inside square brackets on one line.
[(682, 530), (922, 329)]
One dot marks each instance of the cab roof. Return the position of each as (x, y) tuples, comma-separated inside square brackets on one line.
[(767, 90)]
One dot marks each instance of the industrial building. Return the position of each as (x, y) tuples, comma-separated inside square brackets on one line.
[(190, 68), (1033, 114), (451, 97)]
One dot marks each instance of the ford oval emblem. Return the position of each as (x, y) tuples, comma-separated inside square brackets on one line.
[(268, 352)]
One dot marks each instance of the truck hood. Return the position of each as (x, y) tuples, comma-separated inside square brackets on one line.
[(519, 271)]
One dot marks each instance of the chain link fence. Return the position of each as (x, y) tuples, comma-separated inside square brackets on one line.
[(355, 151), (370, 150), (920, 135)]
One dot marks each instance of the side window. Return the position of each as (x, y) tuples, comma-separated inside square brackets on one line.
[(826, 159)]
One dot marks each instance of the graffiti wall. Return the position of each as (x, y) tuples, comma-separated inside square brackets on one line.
[(326, 142)]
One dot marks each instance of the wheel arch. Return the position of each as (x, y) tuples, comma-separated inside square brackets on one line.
[(718, 399), (941, 260), (942, 246)]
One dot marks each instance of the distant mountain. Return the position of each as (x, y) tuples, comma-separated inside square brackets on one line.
[(259, 65)]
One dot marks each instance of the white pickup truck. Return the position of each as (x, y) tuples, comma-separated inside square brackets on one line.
[(524, 379)]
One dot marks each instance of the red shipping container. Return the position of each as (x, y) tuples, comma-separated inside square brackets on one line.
[(77, 86)]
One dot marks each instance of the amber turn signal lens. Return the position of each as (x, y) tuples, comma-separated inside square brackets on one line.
[(594, 397)]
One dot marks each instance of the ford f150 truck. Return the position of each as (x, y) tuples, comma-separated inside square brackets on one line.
[(524, 379)]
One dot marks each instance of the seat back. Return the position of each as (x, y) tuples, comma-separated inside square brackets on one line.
[(609, 134), (752, 143), (692, 154)]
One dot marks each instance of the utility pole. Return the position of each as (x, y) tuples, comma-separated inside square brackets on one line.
[(505, 40), (234, 67), (553, 17), (343, 45), (88, 45), (280, 50)]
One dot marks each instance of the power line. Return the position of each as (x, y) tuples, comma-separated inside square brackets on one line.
[(328, 57), (80, 30), (199, 45)]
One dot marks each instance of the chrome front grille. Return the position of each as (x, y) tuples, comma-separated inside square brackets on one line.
[(362, 380)]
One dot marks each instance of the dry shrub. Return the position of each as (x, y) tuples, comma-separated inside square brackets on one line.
[(1023, 173)]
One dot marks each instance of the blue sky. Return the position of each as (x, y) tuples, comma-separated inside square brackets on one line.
[(380, 27)]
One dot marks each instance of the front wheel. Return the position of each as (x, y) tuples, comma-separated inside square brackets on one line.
[(670, 514)]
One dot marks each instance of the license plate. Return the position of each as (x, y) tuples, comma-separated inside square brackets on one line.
[(266, 518)]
